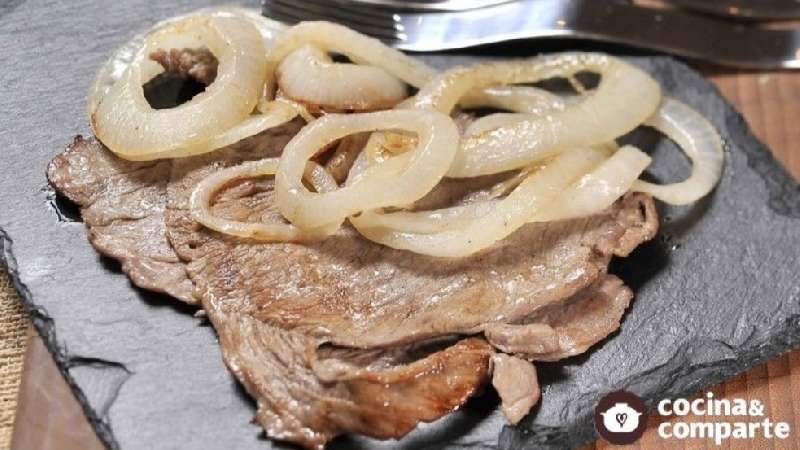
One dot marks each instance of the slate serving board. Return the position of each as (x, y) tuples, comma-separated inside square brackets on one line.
[(716, 292)]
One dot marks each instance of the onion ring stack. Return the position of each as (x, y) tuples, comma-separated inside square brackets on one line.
[(562, 149)]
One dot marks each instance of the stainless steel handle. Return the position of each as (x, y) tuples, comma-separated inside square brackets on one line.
[(669, 31), (744, 9)]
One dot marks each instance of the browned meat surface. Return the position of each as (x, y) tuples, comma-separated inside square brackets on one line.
[(351, 293), (565, 328), (345, 335), (308, 398), (199, 64), (122, 204)]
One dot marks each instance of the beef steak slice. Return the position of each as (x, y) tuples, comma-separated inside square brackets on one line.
[(122, 204), (352, 292), (280, 308)]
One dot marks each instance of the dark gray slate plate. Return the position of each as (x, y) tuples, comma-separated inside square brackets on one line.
[(717, 292)]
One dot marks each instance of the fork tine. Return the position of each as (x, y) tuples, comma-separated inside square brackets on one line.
[(290, 11), (273, 13)]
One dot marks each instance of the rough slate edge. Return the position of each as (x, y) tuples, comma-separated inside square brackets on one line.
[(782, 198), (44, 326), (40, 319)]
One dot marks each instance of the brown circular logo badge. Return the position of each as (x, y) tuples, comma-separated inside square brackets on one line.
[(620, 417)]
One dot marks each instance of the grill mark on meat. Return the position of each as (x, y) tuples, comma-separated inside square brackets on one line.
[(122, 204)]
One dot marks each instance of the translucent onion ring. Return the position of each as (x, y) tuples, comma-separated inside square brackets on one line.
[(277, 113), (510, 213), (309, 76), (204, 192), (361, 49), (113, 69), (625, 97), (422, 168), (528, 103), (591, 194), (520, 99), (374, 55), (598, 189), (125, 122), (701, 143)]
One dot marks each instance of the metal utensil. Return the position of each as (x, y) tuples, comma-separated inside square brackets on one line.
[(432, 5), (669, 31), (743, 9)]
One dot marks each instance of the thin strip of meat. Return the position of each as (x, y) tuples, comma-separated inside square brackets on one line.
[(387, 401), (516, 382), (566, 328)]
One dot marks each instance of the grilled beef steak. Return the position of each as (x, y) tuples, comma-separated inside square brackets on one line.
[(352, 292), (345, 334), (348, 292)]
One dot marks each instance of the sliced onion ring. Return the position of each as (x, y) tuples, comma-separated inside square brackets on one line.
[(625, 97), (380, 186), (128, 126), (204, 192), (598, 189), (701, 143), (520, 99), (309, 76), (361, 49), (277, 113), (510, 214), (113, 69), (376, 56), (591, 194)]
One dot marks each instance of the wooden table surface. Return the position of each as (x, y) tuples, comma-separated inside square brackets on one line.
[(770, 101)]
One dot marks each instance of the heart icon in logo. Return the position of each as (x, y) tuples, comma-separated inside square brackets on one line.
[(620, 417)]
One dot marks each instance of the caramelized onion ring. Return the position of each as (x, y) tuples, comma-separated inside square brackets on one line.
[(204, 192), (625, 97), (398, 181), (128, 126), (510, 213), (701, 143)]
